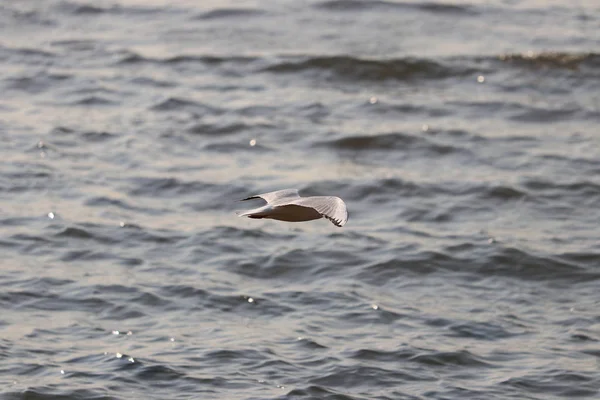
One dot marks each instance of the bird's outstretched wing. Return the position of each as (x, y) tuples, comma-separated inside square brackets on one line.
[(330, 207), (288, 194)]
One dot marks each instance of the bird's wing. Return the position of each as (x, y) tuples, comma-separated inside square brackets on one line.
[(260, 211), (288, 194), (330, 207)]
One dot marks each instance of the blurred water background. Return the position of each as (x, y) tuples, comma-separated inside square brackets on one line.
[(463, 136)]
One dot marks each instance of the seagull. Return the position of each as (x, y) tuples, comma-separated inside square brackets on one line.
[(287, 205)]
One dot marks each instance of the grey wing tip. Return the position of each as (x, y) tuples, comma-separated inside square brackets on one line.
[(250, 198), (336, 222)]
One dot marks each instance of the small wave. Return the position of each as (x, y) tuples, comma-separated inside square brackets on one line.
[(47, 301), (94, 101), (103, 201), (320, 392), (448, 8), (234, 147), (383, 355), (501, 192), (525, 265), (35, 84), (75, 44), (226, 13), (209, 59), (310, 344), (295, 265), (557, 383), (250, 355), (90, 9), (28, 179), (26, 16), (211, 129), (461, 358), (96, 137), (27, 52), (21, 237), (314, 111), (362, 5), (556, 190), (587, 259), (356, 376), (47, 392), (554, 60), (353, 68), (241, 235), (131, 57), (292, 265), (378, 315), (544, 115), (115, 234), (479, 330), (89, 255), (153, 82), (179, 104), (26, 56), (85, 9), (61, 130), (390, 109), (86, 255), (581, 337), (392, 141), (18, 221), (393, 269), (184, 292), (76, 233), (389, 141), (143, 186), (158, 373)]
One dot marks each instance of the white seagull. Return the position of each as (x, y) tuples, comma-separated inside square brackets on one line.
[(287, 205)]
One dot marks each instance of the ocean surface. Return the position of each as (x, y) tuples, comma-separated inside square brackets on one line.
[(463, 135)]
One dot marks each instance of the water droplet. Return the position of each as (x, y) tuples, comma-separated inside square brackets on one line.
[(374, 306), (119, 355), (373, 100), (62, 371), (253, 142), (115, 332), (40, 145), (51, 215), (491, 240), (122, 224), (250, 300), (129, 333), (172, 339), (425, 128), (130, 359), (481, 79)]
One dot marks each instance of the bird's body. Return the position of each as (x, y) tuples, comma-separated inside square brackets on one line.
[(287, 205)]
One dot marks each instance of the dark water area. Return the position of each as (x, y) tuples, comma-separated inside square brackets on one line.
[(463, 136)]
